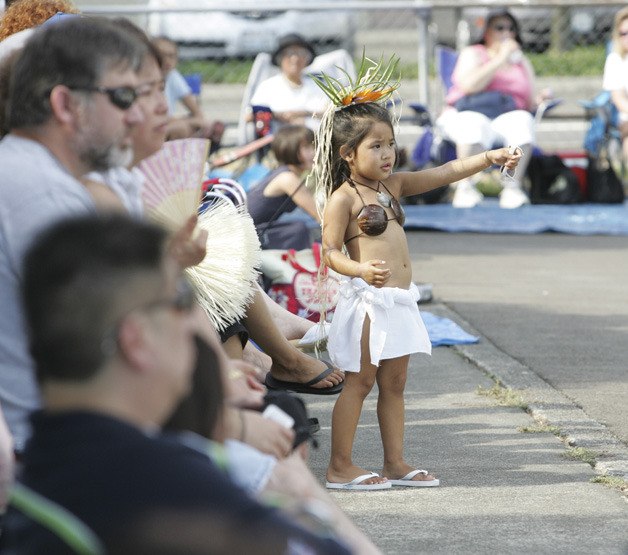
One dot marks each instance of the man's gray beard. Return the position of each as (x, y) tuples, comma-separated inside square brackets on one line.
[(107, 158)]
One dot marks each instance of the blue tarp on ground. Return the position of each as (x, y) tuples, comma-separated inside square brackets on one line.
[(443, 331), (488, 217)]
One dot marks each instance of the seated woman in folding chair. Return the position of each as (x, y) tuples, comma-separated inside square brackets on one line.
[(491, 101), (292, 96)]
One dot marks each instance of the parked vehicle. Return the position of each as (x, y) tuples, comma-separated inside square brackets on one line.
[(227, 34)]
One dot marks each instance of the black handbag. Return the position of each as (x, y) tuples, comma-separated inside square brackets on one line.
[(603, 183), (551, 181), (489, 103)]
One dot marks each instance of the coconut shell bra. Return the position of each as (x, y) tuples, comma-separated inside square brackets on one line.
[(372, 218)]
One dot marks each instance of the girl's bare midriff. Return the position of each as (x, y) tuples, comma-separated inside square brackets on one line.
[(391, 246)]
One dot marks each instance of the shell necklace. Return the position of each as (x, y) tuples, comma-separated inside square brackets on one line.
[(383, 198)]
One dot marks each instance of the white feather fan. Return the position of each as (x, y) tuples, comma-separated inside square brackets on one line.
[(225, 279)]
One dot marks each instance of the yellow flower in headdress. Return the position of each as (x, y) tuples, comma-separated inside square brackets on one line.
[(371, 84)]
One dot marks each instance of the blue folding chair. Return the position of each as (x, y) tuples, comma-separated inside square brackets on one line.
[(195, 81)]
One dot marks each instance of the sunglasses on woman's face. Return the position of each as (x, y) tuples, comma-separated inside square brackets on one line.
[(500, 27)]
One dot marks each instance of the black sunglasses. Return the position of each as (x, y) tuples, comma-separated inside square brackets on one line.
[(122, 97), (183, 300), (500, 27)]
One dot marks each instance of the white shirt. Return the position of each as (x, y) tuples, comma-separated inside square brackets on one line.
[(14, 42), (615, 73), (126, 184), (281, 95), (176, 89)]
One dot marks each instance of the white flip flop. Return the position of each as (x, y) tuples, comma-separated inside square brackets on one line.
[(407, 480), (356, 484)]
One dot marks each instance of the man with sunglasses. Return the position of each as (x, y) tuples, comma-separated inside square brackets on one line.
[(111, 329), (70, 111)]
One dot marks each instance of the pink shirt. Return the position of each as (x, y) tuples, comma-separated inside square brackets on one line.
[(512, 80)]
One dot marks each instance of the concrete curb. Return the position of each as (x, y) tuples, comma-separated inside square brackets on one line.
[(546, 405)]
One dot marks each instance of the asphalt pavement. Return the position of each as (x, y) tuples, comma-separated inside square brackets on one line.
[(553, 321), (552, 317)]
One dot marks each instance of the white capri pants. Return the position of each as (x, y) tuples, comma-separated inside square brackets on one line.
[(469, 128)]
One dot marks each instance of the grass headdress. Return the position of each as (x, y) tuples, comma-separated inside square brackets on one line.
[(375, 82)]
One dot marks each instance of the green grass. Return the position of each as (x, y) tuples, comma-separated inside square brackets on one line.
[(218, 71), (581, 454), (540, 429), (504, 396), (615, 482), (580, 60)]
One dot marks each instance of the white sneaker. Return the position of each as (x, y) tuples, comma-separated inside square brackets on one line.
[(512, 197), (466, 196)]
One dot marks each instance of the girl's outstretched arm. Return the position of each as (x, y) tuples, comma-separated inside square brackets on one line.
[(414, 183), (335, 222)]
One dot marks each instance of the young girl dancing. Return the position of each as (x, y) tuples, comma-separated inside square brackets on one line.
[(376, 324)]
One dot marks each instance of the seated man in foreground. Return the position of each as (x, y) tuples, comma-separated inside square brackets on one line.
[(112, 334)]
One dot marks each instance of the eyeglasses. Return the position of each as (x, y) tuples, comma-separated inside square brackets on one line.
[(295, 51), (500, 27), (122, 97), (182, 302)]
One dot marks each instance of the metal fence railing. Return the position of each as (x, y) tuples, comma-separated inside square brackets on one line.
[(231, 37)]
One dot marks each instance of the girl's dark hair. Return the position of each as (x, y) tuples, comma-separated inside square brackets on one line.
[(351, 125), (287, 142)]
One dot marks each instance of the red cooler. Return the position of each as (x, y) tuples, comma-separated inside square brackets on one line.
[(577, 161)]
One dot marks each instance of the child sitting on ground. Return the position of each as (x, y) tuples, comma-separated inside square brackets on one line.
[(376, 324)]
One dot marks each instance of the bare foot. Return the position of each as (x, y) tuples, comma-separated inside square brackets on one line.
[(401, 470), (304, 368), (337, 476)]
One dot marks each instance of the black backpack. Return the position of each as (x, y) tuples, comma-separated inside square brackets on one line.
[(603, 183), (551, 182)]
